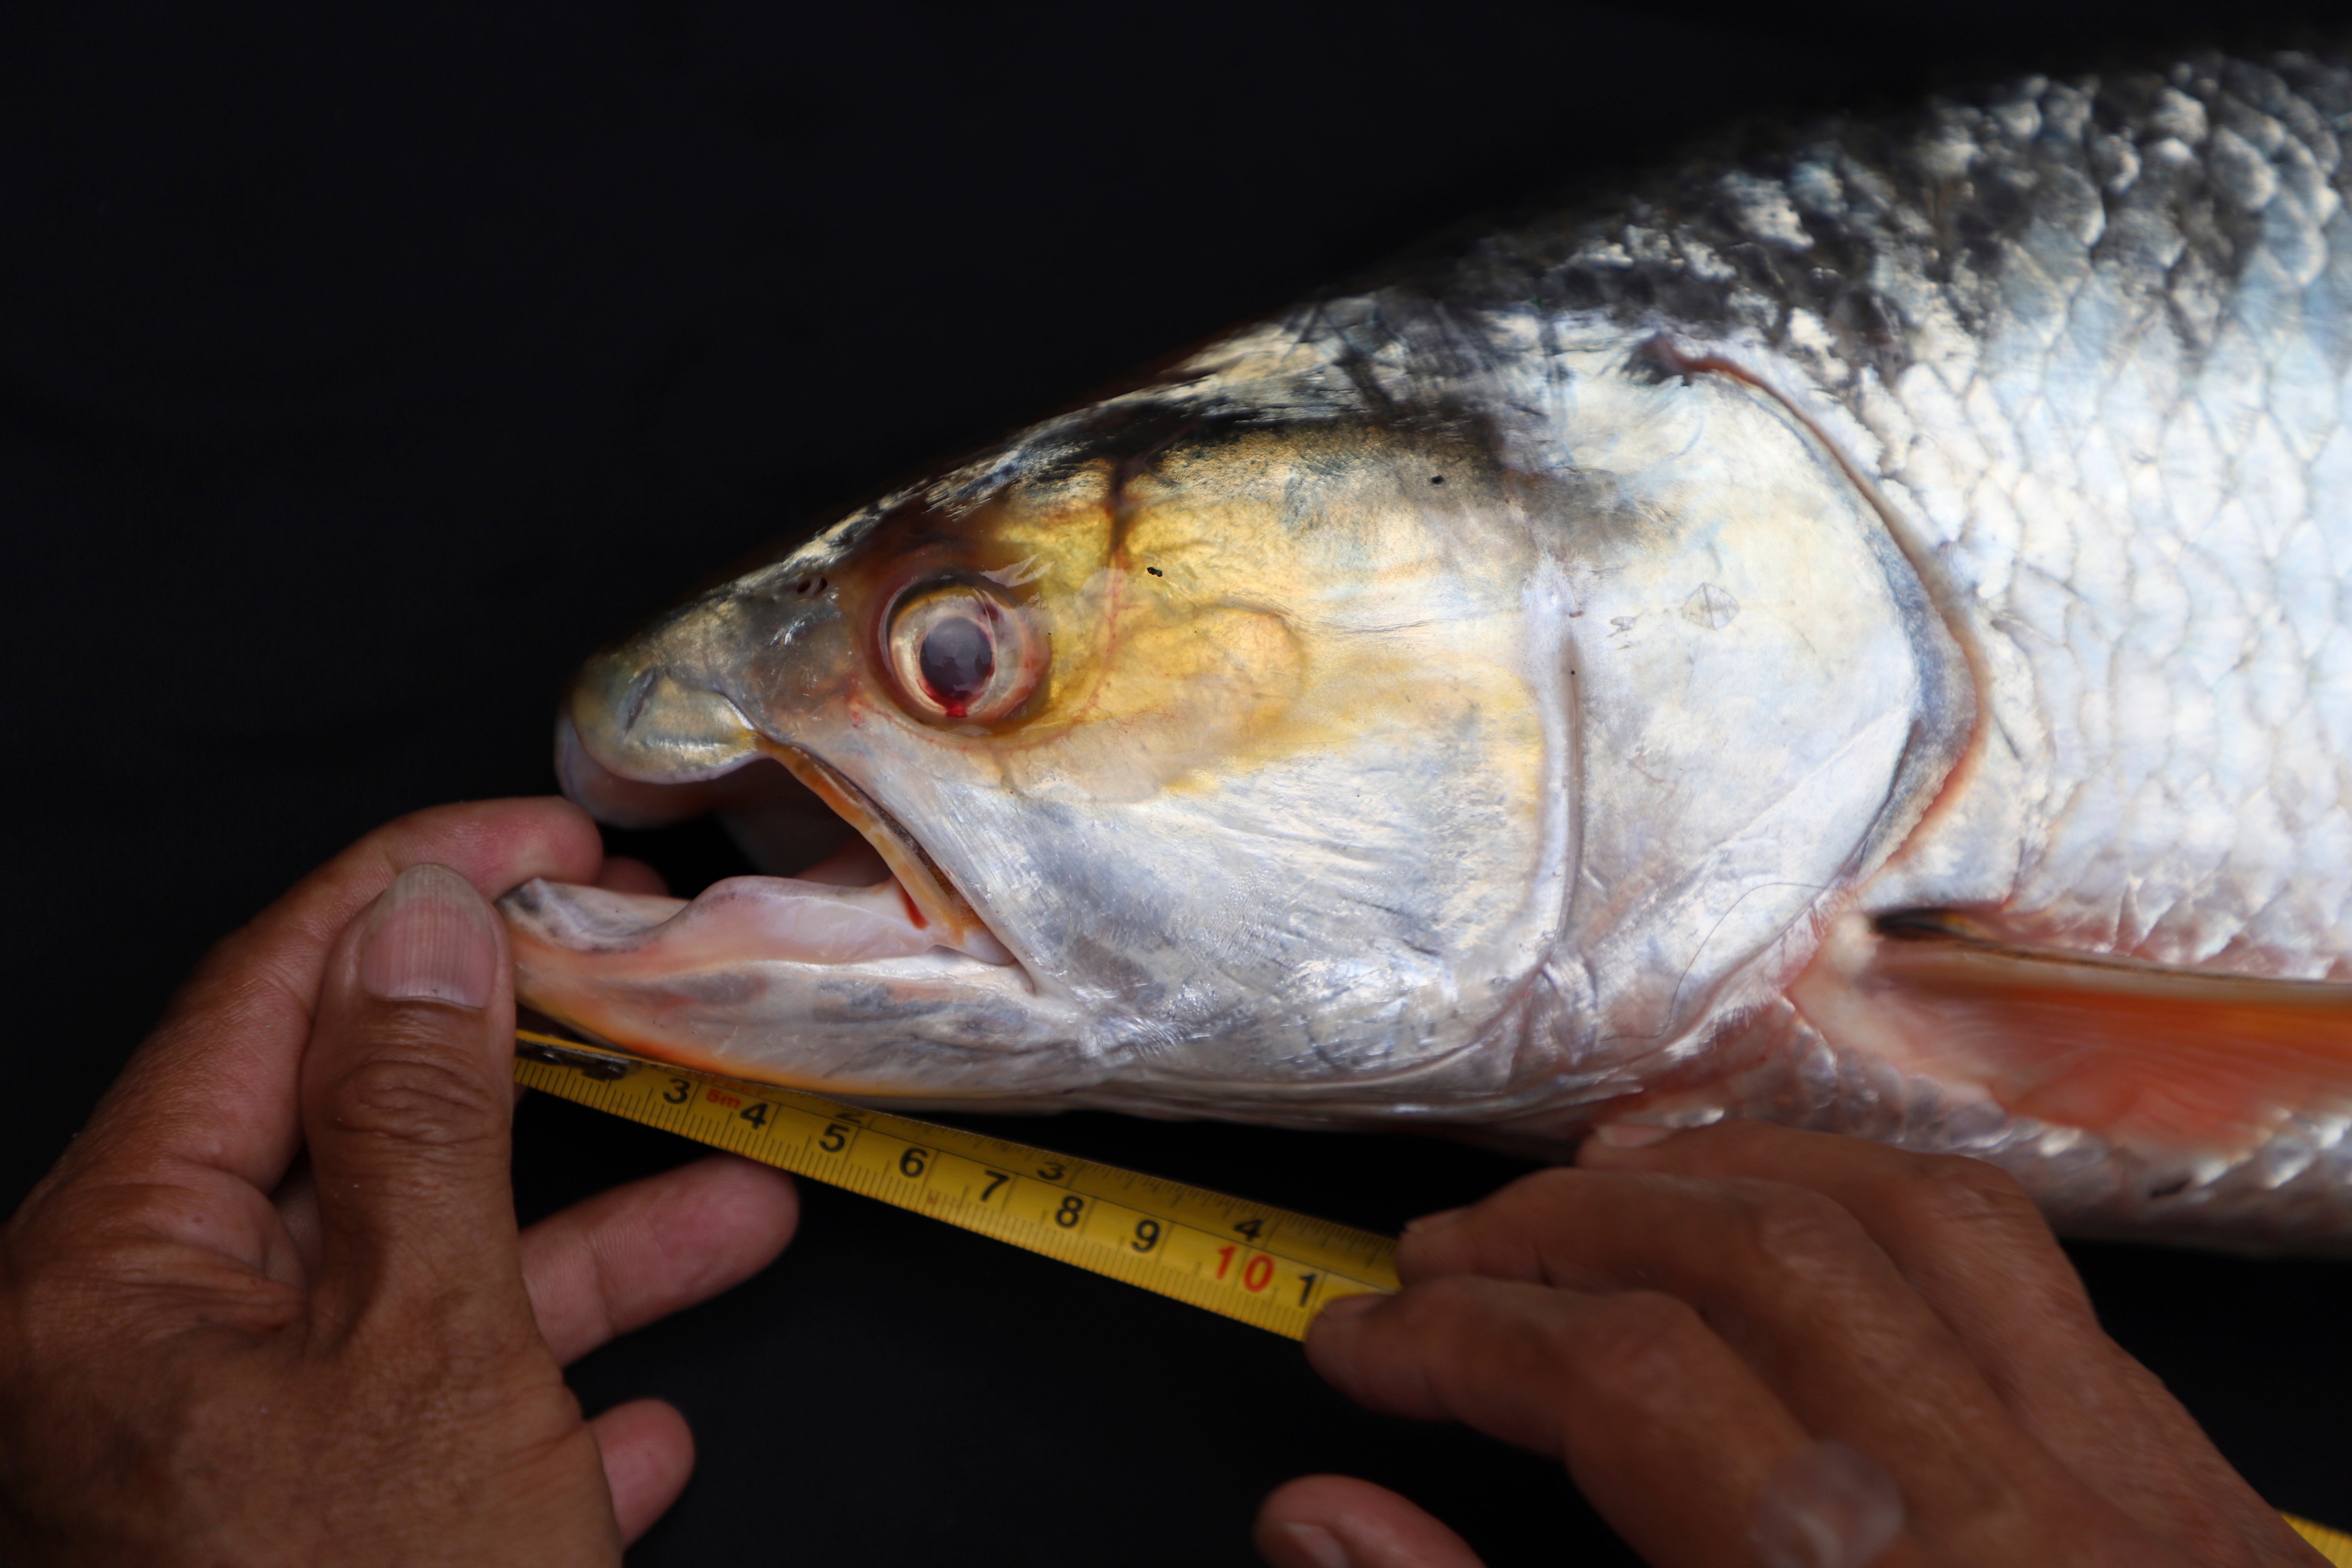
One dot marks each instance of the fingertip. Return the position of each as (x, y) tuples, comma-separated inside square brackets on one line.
[(1728, 1146), (1626, 1145), (758, 1205), (499, 845), (1298, 1544), (1338, 1522), (648, 1452), (625, 1257), (429, 937), (627, 874)]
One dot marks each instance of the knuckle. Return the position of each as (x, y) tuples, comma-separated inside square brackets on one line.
[(1637, 1348), (413, 1094), (1955, 1190), (1537, 1193), (1785, 1230), (1786, 1245)]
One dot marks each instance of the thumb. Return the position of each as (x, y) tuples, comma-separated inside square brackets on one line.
[(408, 1102)]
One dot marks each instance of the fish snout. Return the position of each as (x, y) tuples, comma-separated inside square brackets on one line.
[(656, 723), (706, 710), (645, 721), (622, 800)]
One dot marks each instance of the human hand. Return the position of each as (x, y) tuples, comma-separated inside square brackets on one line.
[(1712, 1331), (271, 1307)]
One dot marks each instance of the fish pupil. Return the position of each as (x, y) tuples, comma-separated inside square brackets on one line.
[(958, 658)]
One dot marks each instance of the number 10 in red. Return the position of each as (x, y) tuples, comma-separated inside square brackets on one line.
[(1256, 1274)]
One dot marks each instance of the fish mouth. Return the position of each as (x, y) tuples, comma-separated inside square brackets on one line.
[(875, 919), (933, 904)]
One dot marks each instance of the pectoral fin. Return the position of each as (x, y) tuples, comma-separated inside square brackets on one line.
[(2167, 1060)]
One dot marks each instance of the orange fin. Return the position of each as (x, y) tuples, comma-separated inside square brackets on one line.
[(2183, 1061)]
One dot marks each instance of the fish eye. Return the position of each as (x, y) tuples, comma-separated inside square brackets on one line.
[(958, 652)]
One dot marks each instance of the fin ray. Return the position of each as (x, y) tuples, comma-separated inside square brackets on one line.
[(2165, 1058)]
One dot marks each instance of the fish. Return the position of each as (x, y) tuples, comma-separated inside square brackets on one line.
[(1851, 628)]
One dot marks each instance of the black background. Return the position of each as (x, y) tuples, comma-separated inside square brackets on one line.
[(360, 370)]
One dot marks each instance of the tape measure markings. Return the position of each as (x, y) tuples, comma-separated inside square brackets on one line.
[(1266, 1266)]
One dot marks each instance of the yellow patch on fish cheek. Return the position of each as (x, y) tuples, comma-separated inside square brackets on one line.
[(1059, 535), (1234, 654), (1181, 696), (1227, 634)]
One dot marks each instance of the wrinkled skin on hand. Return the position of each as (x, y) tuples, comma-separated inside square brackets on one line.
[(1677, 1322), (272, 1306)]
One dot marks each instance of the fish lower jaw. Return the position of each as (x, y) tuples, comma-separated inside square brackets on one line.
[(740, 918), (791, 981)]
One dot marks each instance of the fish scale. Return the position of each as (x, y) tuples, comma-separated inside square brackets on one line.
[(1851, 628), (2116, 411), (2118, 416)]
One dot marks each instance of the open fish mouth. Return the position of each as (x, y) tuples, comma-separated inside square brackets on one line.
[(798, 978), (880, 895), (744, 919)]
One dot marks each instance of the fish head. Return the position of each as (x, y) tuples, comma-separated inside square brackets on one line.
[(1328, 766), (1194, 758)]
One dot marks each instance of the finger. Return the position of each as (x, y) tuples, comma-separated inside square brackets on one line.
[(1974, 1246), (1337, 1522), (625, 874), (622, 1258), (648, 1457), (214, 1086), (1962, 1231), (1795, 1286), (1668, 1433), (407, 1110)]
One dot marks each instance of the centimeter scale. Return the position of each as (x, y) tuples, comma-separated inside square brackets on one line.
[(1266, 1266)]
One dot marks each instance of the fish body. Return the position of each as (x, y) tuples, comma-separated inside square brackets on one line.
[(1855, 632)]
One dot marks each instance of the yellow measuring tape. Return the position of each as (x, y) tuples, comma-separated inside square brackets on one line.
[(1264, 1266), (2332, 1544), (1267, 1266)]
